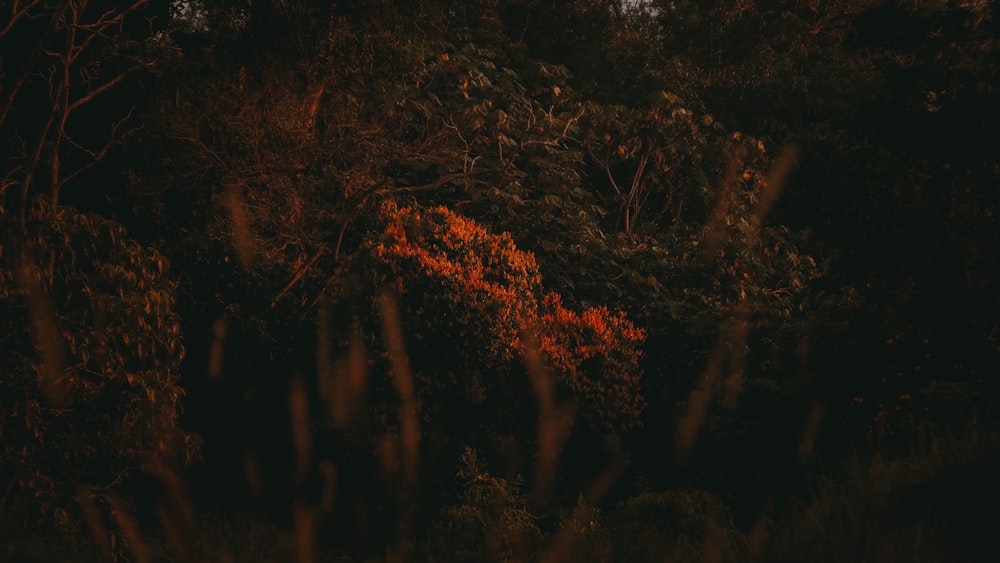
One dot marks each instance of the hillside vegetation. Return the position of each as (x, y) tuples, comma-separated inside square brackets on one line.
[(500, 280)]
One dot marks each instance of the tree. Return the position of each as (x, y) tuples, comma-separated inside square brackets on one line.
[(61, 108), (468, 299)]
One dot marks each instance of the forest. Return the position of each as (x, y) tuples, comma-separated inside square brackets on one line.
[(499, 280)]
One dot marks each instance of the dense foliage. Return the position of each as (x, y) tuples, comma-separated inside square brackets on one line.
[(100, 400), (468, 301), (646, 273)]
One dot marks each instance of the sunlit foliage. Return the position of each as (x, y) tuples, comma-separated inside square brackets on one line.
[(467, 298)]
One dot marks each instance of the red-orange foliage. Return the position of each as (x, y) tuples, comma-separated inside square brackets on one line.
[(465, 296), (436, 255), (595, 354)]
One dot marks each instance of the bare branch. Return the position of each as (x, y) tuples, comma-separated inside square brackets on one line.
[(60, 106), (570, 122), (611, 178), (35, 158), (298, 276), (85, 99), (17, 14), (201, 144), (96, 156), (29, 64), (432, 186), (95, 30)]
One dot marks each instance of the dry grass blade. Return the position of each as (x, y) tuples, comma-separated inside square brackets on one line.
[(252, 474), (305, 527), (217, 351), (409, 424), (772, 185), (301, 438), (402, 379), (712, 548), (129, 529), (553, 422), (561, 547), (309, 121), (45, 333), (328, 494), (325, 376), (715, 235), (341, 384), (177, 515), (733, 386), (775, 181), (92, 519), (352, 381), (729, 350), (562, 544), (178, 539), (240, 225), (387, 452), (757, 537), (180, 500), (694, 416), (809, 431)]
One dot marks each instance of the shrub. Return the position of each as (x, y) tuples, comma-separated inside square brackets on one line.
[(491, 521), (683, 525), (91, 348)]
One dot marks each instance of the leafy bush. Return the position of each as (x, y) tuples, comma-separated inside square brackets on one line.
[(91, 348), (492, 521), (936, 505), (684, 525)]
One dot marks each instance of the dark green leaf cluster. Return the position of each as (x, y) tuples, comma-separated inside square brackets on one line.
[(91, 354)]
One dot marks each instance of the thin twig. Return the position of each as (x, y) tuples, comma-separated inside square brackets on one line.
[(298, 276)]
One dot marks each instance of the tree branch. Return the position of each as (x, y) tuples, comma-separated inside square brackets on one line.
[(85, 99), (17, 14), (99, 155), (298, 276), (29, 63)]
